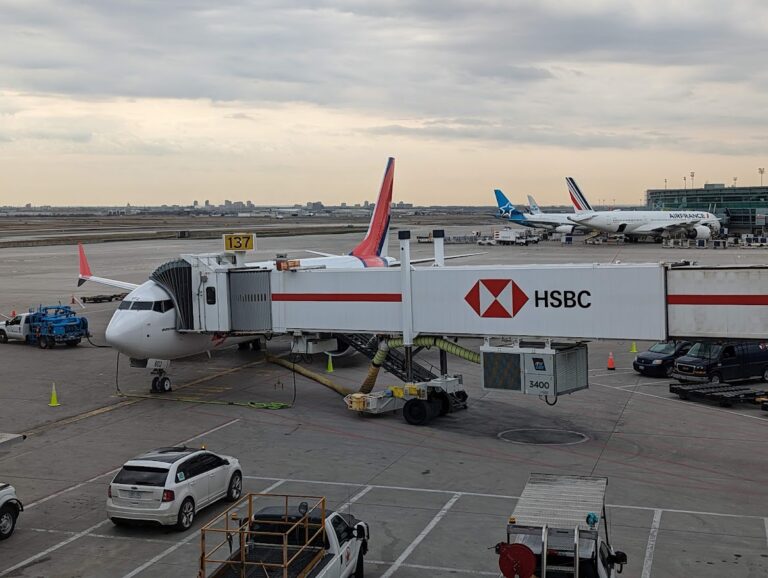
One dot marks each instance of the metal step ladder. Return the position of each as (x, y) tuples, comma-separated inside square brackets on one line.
[(394, 363), (548, 532)]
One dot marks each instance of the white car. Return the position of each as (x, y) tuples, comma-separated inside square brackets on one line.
[(169, 485), (10, 508)]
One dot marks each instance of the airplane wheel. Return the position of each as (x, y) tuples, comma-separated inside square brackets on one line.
[(164, 384), (155, 386)]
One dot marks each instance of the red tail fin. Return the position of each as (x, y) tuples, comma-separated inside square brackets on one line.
[(85, 268), (373, 243)]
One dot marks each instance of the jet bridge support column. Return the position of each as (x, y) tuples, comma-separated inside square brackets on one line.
[(407, 311), (438, 238)]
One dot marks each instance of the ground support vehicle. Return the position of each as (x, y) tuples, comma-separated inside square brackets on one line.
[(271, 535), (46, 326), (723, 394), (10, 508), (508, 236), (169, 486), (102, 298), (713, 362), (420, 402), (659, 360), (555, 531)]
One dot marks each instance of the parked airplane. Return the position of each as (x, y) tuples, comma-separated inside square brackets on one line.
[(559, 222), (144, 327), (634, 224)]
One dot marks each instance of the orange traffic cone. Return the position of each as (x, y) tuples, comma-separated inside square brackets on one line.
[(611, 363), (13, 313)]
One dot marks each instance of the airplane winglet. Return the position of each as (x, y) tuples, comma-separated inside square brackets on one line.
[(85, 268)]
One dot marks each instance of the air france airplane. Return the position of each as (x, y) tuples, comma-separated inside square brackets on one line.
[(634, 224), (558, 222), (144, 325)]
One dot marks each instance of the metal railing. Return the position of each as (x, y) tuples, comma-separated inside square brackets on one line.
[(299, 530)]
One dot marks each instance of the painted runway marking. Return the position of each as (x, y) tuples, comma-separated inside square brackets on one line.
[(434, 568), (652, 535), (765, 521), (114, 471), (355, 498), (502, 496), (688, 405), (52, 548), (412, 546), (186, 540)]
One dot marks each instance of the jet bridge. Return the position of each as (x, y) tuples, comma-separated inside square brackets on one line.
[(542, 314)]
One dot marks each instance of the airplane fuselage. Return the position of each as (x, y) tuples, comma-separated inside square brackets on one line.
[(144, 325), (652, 223)]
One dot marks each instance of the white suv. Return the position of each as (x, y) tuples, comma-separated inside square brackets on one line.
[(169, 485), (10, 508)]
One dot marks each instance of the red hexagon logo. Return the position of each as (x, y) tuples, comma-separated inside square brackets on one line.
[(496, 298)]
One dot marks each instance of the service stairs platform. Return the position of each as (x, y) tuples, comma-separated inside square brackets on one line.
[(394, 363), (724, 394)]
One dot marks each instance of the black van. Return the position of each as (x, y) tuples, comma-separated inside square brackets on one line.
[(723, 362)]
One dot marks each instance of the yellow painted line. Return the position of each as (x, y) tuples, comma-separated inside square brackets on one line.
[(127, 402)]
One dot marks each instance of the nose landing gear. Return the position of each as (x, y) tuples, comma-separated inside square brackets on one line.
[(161, 383)]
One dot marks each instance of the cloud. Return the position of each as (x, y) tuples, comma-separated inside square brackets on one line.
[(595, 70)]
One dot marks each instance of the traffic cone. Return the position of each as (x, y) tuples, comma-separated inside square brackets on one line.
[(13, 313), (633, 349), (611, 363), (54, 399), (329, 367)]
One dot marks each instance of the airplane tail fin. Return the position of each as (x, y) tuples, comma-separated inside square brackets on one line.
[(578, 199), (535, 210), (85, 268), (506, 208), (374, 244)]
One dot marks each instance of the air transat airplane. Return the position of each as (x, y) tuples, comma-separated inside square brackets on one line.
[(559, 222), (634, 224), (144, 327)]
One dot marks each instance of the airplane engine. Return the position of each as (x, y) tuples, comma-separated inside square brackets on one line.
[(700, 232), (567, 229)]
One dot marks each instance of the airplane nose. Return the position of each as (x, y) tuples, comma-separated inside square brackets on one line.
[(121, 333)]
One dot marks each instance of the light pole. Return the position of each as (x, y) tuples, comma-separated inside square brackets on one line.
[(734, 181), (685, 182), (692, 173), (761, 171)]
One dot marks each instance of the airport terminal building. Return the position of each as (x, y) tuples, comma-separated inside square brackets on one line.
[(741, 209)]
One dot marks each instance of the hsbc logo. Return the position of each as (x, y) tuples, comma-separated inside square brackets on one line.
[(503, 298), (496, 298)]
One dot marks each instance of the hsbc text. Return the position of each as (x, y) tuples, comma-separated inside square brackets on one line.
[(567, 299)]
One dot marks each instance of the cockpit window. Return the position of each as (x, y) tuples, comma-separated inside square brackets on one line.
[(158, 306), (163, 306)]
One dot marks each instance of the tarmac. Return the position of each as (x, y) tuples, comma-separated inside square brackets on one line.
[(686, 492)]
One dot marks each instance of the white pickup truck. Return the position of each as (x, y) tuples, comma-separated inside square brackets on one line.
[(292, 542), (10, 508)]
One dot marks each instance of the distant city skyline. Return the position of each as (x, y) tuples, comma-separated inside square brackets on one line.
[(104, 103)]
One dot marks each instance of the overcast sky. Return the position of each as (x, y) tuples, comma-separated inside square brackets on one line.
[(283, 101)]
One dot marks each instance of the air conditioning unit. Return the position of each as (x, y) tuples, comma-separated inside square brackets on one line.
[(535, 368)]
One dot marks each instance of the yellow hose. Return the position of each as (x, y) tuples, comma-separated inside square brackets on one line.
[(321, 379), (373, 370)]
